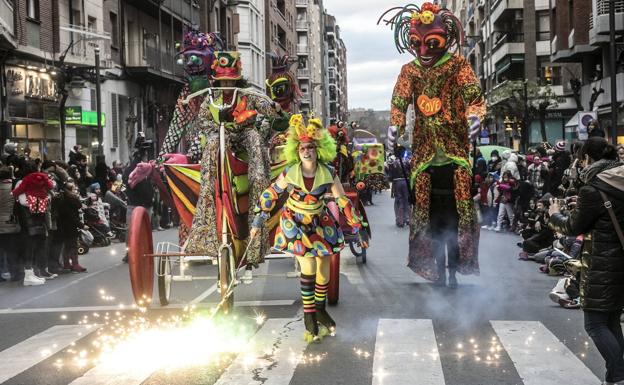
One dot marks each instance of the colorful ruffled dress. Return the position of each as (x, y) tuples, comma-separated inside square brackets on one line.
[(307, 228)]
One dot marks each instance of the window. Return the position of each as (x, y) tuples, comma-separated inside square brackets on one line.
[(92, 24), (32, 9), (114, 30), (543, 25)]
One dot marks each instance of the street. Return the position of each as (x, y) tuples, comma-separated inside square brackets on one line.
[(393, 327)]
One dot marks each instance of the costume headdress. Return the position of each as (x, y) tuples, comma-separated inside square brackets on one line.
[(227, 65), (196, 54), (312, 132), (409, 20), (281, 84)]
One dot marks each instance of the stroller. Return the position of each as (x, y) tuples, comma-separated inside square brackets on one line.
[(117, 215), (99, 230)]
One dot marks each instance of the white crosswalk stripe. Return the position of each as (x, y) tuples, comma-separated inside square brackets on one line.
[(39, 347), (406, 349), (540, 358), (277, 347)]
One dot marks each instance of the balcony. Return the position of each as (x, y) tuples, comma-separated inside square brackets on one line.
[(470, 13), (599, 20), (7, 27), (301, 25), (508, 45), (504, 8), (301, 3), (151, 64), (303, 73)]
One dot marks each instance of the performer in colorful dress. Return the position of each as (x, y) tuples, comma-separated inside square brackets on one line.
[(243, 134), (449, 108), (307, 228)]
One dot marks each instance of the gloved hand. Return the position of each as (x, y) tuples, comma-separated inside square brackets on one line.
[(393, 134), (475, 126)]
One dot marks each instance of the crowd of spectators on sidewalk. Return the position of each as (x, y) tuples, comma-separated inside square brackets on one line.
[(49, 208), (515, 192)]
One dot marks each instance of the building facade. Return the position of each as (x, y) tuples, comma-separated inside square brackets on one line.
[(251, 41), (336, 71), (280, 30)]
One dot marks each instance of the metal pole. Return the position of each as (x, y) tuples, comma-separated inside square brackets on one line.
[(613, 65), (98, 103)]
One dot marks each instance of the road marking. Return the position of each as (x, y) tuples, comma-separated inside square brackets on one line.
[(405, 350), (47, 293), (205, 294), (277, 350), (277, 302), (539, 357), (39, 347)]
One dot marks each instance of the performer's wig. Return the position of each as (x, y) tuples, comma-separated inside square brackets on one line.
[(313, 132), (404, 21)]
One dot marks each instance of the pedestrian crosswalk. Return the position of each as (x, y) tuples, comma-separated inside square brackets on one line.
[(404, 350)]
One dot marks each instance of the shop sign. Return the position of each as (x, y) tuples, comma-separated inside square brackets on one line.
[(73, 115), (30, 83)]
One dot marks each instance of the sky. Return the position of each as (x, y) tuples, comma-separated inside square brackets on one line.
[(373, 62)]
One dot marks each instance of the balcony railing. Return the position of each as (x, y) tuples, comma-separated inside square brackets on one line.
[(508, 37), (301, 2), (302, 49), (301, 24), (303, 73)]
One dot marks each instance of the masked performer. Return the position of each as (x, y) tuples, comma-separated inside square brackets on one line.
[(343, 162), (242, 134), (449, 107), (307, 228)]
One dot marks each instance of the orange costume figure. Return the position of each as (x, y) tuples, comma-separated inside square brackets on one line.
[(449, 108)]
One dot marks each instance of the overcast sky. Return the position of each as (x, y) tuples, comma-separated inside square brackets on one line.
[(373, 63)]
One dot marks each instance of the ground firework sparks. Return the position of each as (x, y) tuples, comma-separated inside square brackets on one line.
[(140, 342)]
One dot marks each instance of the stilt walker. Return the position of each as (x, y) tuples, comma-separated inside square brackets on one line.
[(307, 229), (449, 107)]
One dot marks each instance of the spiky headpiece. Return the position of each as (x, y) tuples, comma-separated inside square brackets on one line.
[(405, 19)]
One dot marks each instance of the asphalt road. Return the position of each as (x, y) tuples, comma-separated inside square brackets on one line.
[(393, 327)]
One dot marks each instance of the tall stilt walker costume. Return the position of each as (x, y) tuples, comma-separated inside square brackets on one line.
[(449, 107), (307, 228)]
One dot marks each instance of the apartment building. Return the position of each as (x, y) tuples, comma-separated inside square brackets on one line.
[(336, 71), (251, 41), (280, 30)]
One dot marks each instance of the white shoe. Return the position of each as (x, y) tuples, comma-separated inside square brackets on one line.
[(485, 227), (498, 229), (30, 279), (555, 297), (247, 278)]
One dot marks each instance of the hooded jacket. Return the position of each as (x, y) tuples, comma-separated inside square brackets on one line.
[(511, 165), (602, 256)]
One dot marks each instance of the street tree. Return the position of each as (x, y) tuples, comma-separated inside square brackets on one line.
[(525, 101)]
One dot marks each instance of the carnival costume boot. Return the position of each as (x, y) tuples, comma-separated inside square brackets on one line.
[(326, 322), (311, 333)]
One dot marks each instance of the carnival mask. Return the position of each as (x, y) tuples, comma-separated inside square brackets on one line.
[(279, 89), (428, 32), (281, 84), (196, 54), (227, 65)]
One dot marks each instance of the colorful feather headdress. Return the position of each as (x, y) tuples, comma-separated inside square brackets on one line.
[(312, 132)]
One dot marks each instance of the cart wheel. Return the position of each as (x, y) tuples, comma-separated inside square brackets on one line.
[(141, 267), (225, 278), (357, 249), (164, 280), (334, 280)]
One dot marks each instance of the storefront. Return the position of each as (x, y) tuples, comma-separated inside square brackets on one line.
[(32, 104), (84, 125)]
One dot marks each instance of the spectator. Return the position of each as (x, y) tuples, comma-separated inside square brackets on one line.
[(538, 173), (494, 163), (101, 173), (480, 167), (561, 160), (9, 225), (537, 235), (75, 155), (602, 271), (510, 164), (594, 129), (620, 151), (505, 207), (32, 193), (68, 207)]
